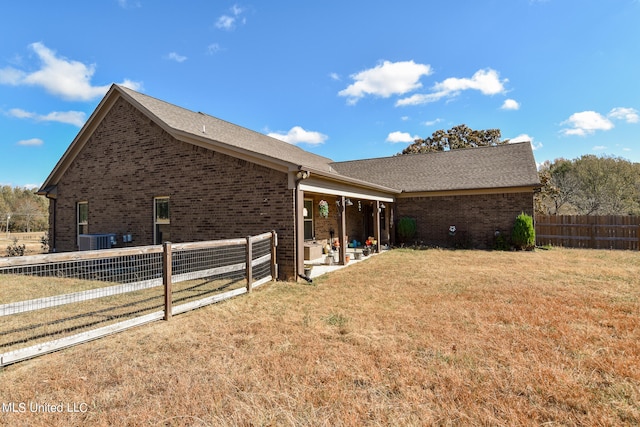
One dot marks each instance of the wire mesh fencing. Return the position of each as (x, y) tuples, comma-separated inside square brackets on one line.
[(48, 302)]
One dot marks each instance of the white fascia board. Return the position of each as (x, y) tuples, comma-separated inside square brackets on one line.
[(338, 189)]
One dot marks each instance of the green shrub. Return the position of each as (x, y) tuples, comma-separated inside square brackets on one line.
[(524, 234), (406, 228), (16, 249), (500, 241)]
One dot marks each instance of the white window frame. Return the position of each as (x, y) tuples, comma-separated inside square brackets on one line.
[(159, 221), (82, 227), (309, 218)]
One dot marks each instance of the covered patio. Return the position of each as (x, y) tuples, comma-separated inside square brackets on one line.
[(318, 266), (337, 222)]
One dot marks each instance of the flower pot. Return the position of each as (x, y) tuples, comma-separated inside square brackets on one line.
[(346, 259)]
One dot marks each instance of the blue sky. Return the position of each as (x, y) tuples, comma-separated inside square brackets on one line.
[(344, 79)]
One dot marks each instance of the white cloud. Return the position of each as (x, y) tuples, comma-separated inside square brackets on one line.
[(11, 76), (486, 81), (586, 123), (629, 115), (433, 122), (59, 76), (228, 22), (335, 76), (33, 142), (386, 79), (297, 135), (176, 57), (523, 137), (599, 148), (398, 137), (76, 118), (510, 104)]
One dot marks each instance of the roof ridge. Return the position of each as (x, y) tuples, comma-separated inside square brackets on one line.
[(432, 153), (276, 145)]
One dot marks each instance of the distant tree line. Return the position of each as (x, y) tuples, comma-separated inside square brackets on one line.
[(25, 210), (589, 185)]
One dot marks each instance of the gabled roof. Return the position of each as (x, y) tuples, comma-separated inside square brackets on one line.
[(207, 127), (198, 128), (509, 165), (501, 166)]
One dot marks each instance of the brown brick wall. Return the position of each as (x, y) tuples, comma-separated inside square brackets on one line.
[(476, 217), (323, 226), (355, 219), (129, 160)]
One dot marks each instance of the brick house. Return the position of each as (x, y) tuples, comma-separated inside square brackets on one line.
[(149, 169)]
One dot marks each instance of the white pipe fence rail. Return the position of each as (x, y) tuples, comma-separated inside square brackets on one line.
[(50, 302)]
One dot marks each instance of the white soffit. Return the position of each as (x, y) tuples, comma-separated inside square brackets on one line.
[(336, 189)]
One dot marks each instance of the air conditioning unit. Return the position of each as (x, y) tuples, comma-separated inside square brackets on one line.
[(92, 242)]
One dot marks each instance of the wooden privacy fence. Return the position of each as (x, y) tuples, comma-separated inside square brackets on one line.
[(50, 302), (587, 231)]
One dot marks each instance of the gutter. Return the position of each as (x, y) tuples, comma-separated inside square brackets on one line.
[(51, 193)]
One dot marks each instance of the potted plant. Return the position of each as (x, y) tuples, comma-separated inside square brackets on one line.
[(323, 208)]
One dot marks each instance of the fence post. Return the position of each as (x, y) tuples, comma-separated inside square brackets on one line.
[(249, 270), (166, 278), (274, 265)]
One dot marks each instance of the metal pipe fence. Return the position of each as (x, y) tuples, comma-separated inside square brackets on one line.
[(49, 302)]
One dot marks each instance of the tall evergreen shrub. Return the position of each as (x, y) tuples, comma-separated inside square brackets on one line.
[(406, 228), (523, 235)]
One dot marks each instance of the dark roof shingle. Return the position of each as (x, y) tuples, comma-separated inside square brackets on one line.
[(208, 127), (508, 165)]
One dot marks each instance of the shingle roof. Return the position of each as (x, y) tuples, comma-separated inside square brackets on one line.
[(208, 127), (508, 165)]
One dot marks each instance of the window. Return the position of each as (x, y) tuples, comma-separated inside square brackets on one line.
[(161, 219), (308, 219), (82, 215)]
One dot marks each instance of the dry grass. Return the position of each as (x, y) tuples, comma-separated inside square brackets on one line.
[(34, 327), (405, 338), (31, 241)]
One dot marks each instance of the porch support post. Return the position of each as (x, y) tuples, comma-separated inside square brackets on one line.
[(299, 221), (376, 224), (342, 230)]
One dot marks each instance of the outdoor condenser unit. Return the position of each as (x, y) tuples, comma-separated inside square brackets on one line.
[(92, 242)]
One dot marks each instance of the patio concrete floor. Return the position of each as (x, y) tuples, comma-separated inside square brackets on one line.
[(320, 268)]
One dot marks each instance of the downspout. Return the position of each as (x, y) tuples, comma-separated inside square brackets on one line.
[(51, 193), (299, 260)]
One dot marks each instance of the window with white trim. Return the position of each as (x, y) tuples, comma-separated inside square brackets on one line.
[(161, 220), (308, 219), (82, 217)]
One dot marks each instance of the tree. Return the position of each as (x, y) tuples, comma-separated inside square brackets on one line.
[(28, 211), (590, 185), (559, 186), (459, 136)]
